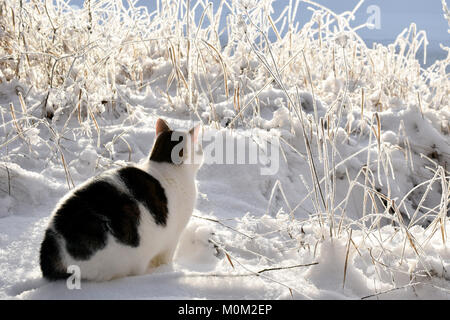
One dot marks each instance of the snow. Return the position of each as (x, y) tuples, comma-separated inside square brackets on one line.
[(252, 235)]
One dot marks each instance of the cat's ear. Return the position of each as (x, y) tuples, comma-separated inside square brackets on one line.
[(161, 126), (194, 133)]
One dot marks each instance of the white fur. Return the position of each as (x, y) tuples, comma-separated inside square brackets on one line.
[(157, 243)]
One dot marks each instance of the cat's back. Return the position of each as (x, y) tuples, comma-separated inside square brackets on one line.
[(107, 211)]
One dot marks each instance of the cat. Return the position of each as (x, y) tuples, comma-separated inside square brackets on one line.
[(126, 221)]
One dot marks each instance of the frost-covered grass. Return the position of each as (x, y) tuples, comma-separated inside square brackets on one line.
[(358, 208)]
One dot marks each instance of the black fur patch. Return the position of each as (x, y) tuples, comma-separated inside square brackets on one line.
[(98, 208), (147, 190), (85, 219), (50, 259), (164, 145)]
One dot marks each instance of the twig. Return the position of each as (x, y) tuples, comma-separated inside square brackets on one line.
[(288, 267), (223, 225), (346, 257), (390, 290)]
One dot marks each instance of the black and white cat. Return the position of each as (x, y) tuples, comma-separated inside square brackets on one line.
[(128, 220)]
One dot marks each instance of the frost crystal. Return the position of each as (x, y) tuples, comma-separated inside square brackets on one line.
[(342, 39)]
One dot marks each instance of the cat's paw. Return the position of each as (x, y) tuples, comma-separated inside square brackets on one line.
[(194, 245)]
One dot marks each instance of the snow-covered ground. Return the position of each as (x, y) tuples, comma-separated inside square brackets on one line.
[(358, 207)]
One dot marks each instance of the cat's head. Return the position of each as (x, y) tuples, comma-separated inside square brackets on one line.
[(177, 147)]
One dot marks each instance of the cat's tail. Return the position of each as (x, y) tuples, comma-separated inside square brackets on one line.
[(50, 257)]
